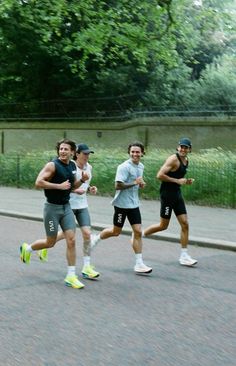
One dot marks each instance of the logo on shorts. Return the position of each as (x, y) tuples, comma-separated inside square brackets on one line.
[(167, 211), (119, 219), (51, 225)]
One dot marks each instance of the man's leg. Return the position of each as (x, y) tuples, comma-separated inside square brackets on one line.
[(40, 245), (139, 267), (87, 270), (162, 225), (70, 250), (185, 258), (137, 238), (105, 234), (71, 279), (183, 221)]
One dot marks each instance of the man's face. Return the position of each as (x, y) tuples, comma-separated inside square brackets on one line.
[(183, 150), (135, 154), (65, 152), (83, 157)]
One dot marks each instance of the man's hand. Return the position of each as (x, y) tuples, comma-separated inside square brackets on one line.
[(65, 185), (189, 181), (140, 182), (84, 176), (93, 189), (183, 181)]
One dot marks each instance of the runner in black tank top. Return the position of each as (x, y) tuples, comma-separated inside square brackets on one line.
[(179, 173), (57, 178), (172, 175)]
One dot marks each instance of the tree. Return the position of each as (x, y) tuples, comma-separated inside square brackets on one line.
[(66, 49)]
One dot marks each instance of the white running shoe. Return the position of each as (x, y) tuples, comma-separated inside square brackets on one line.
[(142, 268), (95, 238), (186, 260)]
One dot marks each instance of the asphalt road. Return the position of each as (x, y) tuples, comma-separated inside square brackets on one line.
[(176, 316)]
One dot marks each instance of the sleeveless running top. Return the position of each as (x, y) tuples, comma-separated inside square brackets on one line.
[(179, 173), (62, 173)]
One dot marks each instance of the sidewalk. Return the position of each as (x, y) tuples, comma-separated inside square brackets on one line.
[(211, 227)]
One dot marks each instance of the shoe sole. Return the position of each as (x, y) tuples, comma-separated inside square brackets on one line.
[(149, 271), (188, 265), (90, 278), (70, 285)]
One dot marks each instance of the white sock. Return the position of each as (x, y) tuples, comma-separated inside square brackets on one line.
[(29, 249), (143, 234), (184, 251), (86, 260), (97, 238), (71, 271), (139, 258)]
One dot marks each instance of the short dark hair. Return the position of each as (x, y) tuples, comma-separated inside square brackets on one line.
[(66, 141), (136, 143)]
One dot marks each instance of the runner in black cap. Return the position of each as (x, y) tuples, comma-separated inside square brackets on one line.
[(172, 176)]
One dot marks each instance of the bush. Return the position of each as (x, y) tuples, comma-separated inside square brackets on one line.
[(213, 170)]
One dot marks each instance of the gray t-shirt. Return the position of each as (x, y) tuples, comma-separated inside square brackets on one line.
[(127, 172)]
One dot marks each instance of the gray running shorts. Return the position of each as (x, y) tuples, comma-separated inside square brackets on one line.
[(55, 215), (82, 217)]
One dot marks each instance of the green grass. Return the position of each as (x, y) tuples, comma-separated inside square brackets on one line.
[(214, 172)]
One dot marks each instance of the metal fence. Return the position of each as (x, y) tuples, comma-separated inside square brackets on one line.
[(119, 108), (214, 183)]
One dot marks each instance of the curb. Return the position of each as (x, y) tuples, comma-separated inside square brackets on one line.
[(198, 241)]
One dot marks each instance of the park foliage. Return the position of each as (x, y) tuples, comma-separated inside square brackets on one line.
[(214, 172), (158, 54)]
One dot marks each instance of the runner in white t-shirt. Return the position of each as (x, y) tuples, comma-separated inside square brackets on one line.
[(79, 205)]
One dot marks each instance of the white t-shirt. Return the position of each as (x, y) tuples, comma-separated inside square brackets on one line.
[(78, 201)]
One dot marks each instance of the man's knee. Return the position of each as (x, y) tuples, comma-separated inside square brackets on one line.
[(137, 234), (185, 225), (51, 241), (164, 223), (70, 242), (116, 230)]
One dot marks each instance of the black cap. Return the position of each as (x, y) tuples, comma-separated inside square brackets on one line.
[(185, 142), (83, 148)]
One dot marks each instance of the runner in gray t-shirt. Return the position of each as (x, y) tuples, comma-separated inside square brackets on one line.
[(128, 180)]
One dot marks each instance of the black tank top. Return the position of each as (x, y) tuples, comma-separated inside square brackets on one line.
[(62, 173), (179, 173)]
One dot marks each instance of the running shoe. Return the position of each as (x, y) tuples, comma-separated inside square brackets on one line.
[(95, 238), (43, 255), (72, 281), (186, 260), (88, 272), (142, 268), (24, 254)]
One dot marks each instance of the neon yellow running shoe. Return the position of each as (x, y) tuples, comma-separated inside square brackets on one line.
[(72, 281), (88, 272), (43, 255), (24, 254)]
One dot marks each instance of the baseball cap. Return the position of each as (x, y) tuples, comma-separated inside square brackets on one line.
[(83, 148), (185, 142)]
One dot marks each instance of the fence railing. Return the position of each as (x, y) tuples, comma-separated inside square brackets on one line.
[(118, 108), (214, 183)]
